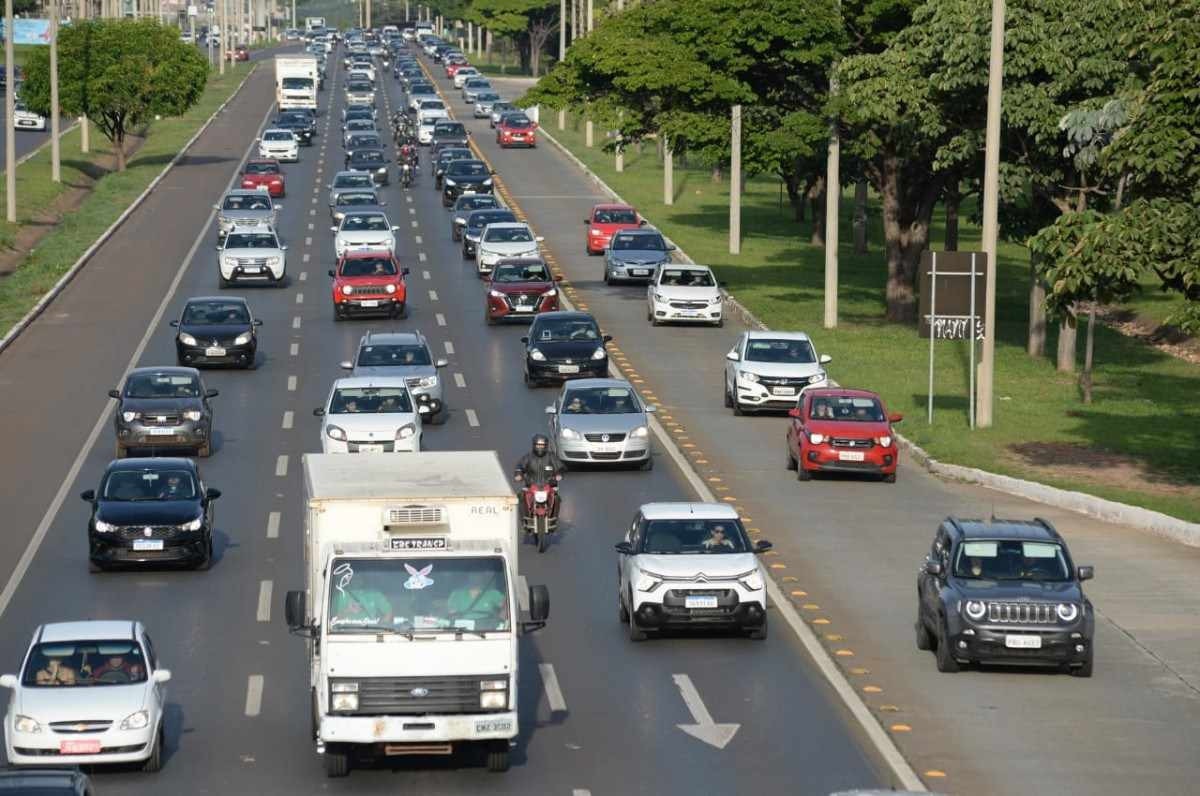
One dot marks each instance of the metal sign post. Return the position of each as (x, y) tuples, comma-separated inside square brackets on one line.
[(951, 308)]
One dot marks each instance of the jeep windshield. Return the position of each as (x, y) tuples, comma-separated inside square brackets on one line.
[(1012, 560)]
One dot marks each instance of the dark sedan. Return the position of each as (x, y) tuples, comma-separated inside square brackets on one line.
[(464, 205), (476, 221), (214, 330), (372, 161), (439, 162), (351, 200), (449, 133), (301, 125), (465, 177), (564, 345), (163, 408), (150, 511)]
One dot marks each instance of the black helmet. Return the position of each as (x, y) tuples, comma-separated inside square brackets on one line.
[(541, 444)]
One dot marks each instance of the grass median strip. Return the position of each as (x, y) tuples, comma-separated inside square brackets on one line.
[(1135, 444), (109, 194)]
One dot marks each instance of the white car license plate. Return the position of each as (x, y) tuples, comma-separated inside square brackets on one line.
[(701, 601), (524, 308), (851, 456), (568, 368), (253, 269), (141, 545), (640, 272), (370, 449), (1023, 642), (161, 432), (689, 314), (605, 447), (784, 390), (214, 352), (90, 747)]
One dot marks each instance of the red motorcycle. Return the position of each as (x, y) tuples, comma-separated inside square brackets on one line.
[(541, 507)]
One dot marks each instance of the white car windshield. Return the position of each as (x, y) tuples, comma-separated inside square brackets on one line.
[(251, 240), (277, 135), (686, 277), (370, 401), (243, 202), (141, 485), (84, 663), (1011, 560), (788, 352), (508, 235), (600, 401), (675, 537), (356, 223)]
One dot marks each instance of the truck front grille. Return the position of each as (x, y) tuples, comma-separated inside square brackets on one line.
[(417, 696)]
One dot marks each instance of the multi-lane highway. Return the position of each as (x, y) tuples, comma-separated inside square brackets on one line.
[(598, 714)]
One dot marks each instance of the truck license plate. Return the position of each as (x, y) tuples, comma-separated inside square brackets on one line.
[(89, 747), (701, 601), (1023, 642), (493, 725), (141, 545), (851, 456)]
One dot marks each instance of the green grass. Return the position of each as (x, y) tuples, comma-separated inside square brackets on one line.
[(1145, 404), (114, 192), (503, 65)]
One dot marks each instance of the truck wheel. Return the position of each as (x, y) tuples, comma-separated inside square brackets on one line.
[(337, 762), (946, 661), (497, 757)]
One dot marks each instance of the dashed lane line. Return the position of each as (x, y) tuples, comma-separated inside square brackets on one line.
[(440, 318), (281, 465), (254, 693), (449, 348), (264, 601), (291, 382), (460, 381), (294, 350), (289, 418), (472, 418), (273, 525), (554, 694)]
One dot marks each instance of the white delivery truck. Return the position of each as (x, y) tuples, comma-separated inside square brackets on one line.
[(412, 606), (296, 81), (313, 23)]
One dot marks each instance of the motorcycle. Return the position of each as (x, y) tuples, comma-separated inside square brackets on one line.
[(406, 175), (541, 507)]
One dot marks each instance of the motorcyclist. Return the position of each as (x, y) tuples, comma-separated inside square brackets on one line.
[(408, 154), (531, 468), (406, 173)]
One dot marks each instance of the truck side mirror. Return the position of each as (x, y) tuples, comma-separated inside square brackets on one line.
[(293, 609), (539, 607)]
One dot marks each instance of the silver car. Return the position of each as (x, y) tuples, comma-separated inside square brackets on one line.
[(768, 370), (483, 104), (245, 208), (475, 86), (601, 421), (405, 355), (349, 180), (500, 108)]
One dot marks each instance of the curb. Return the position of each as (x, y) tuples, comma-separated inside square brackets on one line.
[(1107, 510), (11, 335), (31, 153)]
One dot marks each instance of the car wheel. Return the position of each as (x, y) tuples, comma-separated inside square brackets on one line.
[(153, 763), (94, 567), (720, 323), (529, 380), (120, 452), (946, 662), (924, 637), (792, 464), (455, 236), (337, 761), (206, 562), (890, 478), (801, 473), (726, 397), (738, 411), (1085, 669), (497, 757), (635, 632), (488, 319), (622, 613), (441, 417), (608, 280), (223, 283), (205, 450), (402, 311), (466, 255), (759, 633)]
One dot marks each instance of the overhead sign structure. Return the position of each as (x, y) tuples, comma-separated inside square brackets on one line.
[(952, 305), (28, 31)]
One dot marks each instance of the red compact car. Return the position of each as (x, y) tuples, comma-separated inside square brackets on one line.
[(520, 287), (239, 53), (845, 431), (369, 283), (263, 174), (607, 220), (453, 67), (516, 129)]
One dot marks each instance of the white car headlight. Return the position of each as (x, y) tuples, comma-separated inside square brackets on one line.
[(192, 415), (447, 181), (194, 525), (136, 721), (406, 431), (335, 432), (816, 439), (641, 432), (885, 441), (599, 353), (104, 527), (242, 339), (648, 581), (347, 289), (231, 261), (345, 702), (493, 700), (752, 581), (716, 300), (537, 355), (186, 339), (659, 296), (817, 377), (26, 724), (570, 434), (129, 417), (747, 376), (1067, 612), (975, 609), (550, 292)]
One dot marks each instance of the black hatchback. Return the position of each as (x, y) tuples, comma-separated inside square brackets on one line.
[(215, 330), (465, 177), (301, 125), (150, 511), (564, 345), (372, 161), (163, 408)]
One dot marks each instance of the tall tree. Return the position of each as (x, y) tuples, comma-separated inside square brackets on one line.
[(528, 22)]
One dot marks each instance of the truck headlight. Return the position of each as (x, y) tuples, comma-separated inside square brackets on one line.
[(599, 353), (231, 262), (335, 432), (406, 431), (136, 721), (537, 355), (129, 417), (1068, 612), (194, 525), (344, 702), (493, 700), (648, 581), (751, 581), (192, 415), (974, 609), (493, 685), (104, 527), (345, 688), (570, 434), (26, 724)]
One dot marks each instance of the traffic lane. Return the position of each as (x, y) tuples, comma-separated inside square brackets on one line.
[(26, 141), (890, 529)]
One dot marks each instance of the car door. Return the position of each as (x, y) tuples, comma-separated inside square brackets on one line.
[(158, 690), (554, 424), (624, 561), (930, 586), (651, 288), (796, 425)]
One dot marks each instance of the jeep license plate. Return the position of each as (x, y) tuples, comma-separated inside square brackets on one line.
[(851, 456), (1023, 642), (369, 303), (700, 601)]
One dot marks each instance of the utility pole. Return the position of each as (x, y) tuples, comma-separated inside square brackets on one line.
[(55, 149), (833, 195), (590, 131), (991, 231), (735, 182), (10, 143), (668, 173), (85, 12), (562, 53), (368, 14), (224, 27)]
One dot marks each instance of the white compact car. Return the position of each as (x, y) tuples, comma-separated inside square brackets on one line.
[(89, 692), (279, 144), (690, 565), (685, 293), (364, 231), (251, 254), (769, 370), (425, 131), (431, 110), (506, 239), (25, 119), (370, 414), (460, 77)]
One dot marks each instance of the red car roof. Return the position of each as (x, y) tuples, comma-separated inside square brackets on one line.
[(611, 206), (847, 392)]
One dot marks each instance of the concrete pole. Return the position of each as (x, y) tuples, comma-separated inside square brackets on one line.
[(224, 26), (85, 12), (562, 53), (589, 132), (991, 229), (833, 193), (368, 14), (10, 139), (668, 174), (293, 13), (735, 182), (55, 148)]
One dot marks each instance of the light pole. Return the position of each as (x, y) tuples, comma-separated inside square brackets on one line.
[(991, 231), (55, 151), (10, 144)]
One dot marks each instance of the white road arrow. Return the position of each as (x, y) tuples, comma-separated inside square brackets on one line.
[(705, 729)]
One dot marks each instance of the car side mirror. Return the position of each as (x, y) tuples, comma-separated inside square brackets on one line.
[(333, 229), (319, 412), (671, 247), (395, 228), (331, 274), (114, 394), (651, 409), (8, 681), (550, 410), (404, 272), (161, 676), (257, 322), (89, 495), (539, 608), (795, 412), (587, 221), (624, 548), (212, 494), (606, 338), (733, 356), (1085, 573), (174, 324), (762, 546), (216, 207), (641, 222), (346, 364), (211, 393), (933, 568), (895, 417), (293, 609), (558, 277), (523, 340), (283, 247)]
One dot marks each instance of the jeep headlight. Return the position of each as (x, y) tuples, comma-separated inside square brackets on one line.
[(641, 432), (129, 417), (136, 721), (192, 415), (493, 700), (537, 355), (974, 609), (648, 581), (104, 527), (751, 581), (1067, 612), (570, 434), (26, 724), (194, 525), (817, 377), (599, 353), (186, 339), (347, 289), (406, 431), (242, 339), (274, 260)]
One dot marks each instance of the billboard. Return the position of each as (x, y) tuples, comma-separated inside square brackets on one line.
[(28, 31)]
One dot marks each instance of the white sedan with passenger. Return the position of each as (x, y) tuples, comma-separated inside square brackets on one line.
[(279, 144), (684, 293), (370, 414), (503, 240), (364, 231)]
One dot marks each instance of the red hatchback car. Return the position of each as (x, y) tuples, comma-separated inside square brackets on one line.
[(516, 129), (264, 172), (520, 288), (840, 430), (453, 67), (369, 283), (605, 221)]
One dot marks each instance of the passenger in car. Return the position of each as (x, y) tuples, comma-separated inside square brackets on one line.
[(56, 672)]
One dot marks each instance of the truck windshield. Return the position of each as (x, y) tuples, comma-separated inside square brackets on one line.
[(297, 83), (419, 595)]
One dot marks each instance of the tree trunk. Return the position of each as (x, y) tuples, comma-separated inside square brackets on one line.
[(1036, 345), (816, 202), (1085, 380), (791, 182), (953, 199), (118, 142), (718, 172), (1066, 347), (535, 57), (860, 216), (659, 150), (904, 238)]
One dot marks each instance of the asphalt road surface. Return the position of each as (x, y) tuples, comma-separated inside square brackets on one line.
[(610, 725)]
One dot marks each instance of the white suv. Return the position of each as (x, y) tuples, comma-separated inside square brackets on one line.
[(685, 293), (769, 370), (89, 692), (690, 565)]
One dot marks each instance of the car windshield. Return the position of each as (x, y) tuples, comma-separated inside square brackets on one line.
[(454, 128), (369, 266), (262, 168), (476, 201), (353, 181), (297, 82), (141, 485), (508, 235), (421, 595), (359, 86), (858, 410), (647, 243), (487, 97), (63, 664), (364, 223), (1012, 560), (467, 168), (356, 198), (673, 537), (277, 135), (370, 401), (478, 82), (447, 156), (251, 240), (686, 277), (563, 330), (599, 401), (615, 217), (367, 156), (787, 352), (517, 122), (393, 355), (203, 313), (480, 219), (246, 202), (432, 105), (500, 107), (162, 385), (365, 140), (521, 272), (363, 124)]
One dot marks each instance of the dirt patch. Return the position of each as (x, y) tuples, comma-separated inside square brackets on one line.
[(1168, 339), (1080, 462), (33, 230)]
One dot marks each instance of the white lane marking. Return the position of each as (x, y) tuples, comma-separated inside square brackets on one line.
[(68, 482), (305, 258), (460, 381), (426, 275), (273, 525), (449, 348), (407, 198), (299, 298), (522, 593), (291, 383), (421, 256), (554, 693), (414, 223), (441, 319), (412, 211), (314, 199), (294, 350), (417, 240), (312, 212), (581, 792), (304, 276), (311, 225), (472, 419), (289, 418), (296, 322), (433, 295), (308, 241), (704, 729), (254, 692), (264, 601), (281, 465)]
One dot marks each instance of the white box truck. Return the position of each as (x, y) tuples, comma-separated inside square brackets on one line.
[(296, 81), (411, 606), (314, 23)]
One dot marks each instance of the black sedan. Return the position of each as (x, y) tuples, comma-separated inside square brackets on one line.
[(449, 133), (465, 177), (564, 345), (214, 330), (464, 205), (163, 408), (302, 125), (476, 221), (439, 162), (354, 199), (372, 161), (150, 511)]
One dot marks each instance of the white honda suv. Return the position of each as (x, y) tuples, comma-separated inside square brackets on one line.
[(690, 565), (89, 692)]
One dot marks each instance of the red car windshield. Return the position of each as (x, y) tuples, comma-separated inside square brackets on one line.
[(858, 409), (262, 168), (615, 217), (369, 266)]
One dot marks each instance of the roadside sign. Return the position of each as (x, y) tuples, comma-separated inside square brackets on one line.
[(193, 11), (28, 31), (951, 307)]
